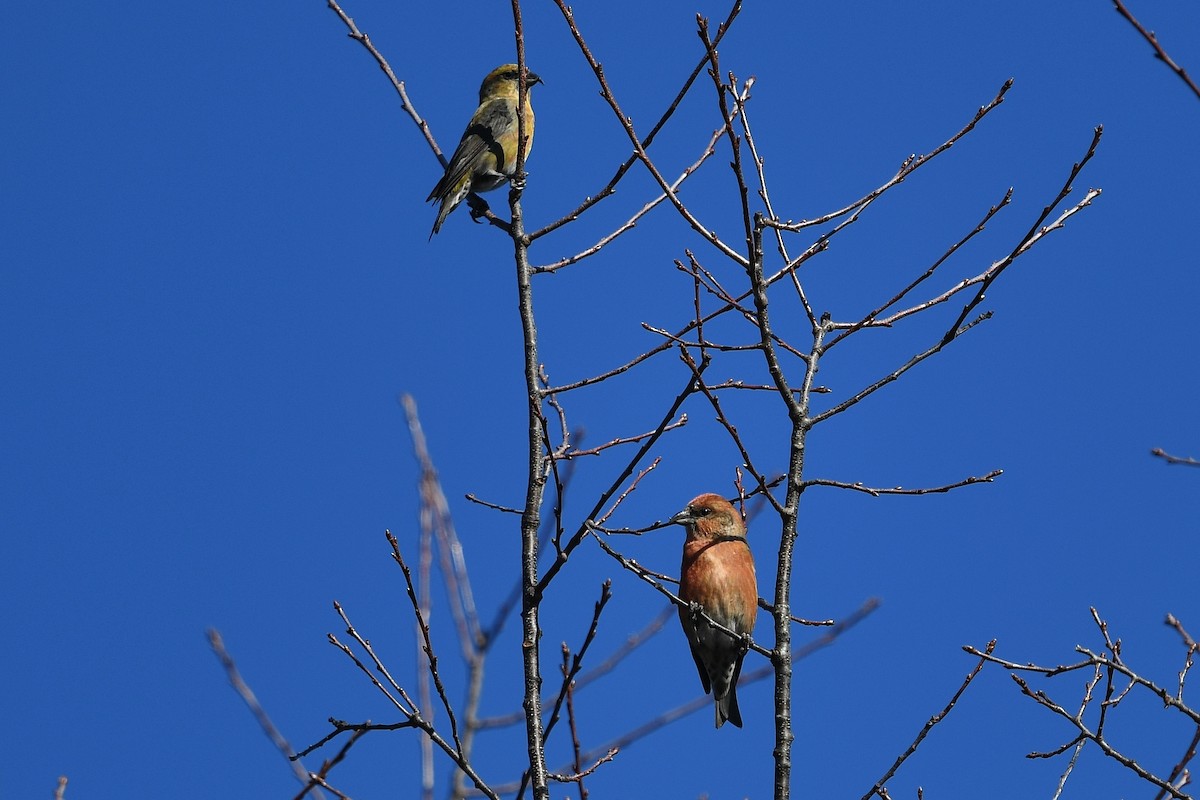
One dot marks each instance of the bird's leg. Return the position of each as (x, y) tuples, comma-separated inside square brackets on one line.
[(695, 610), (745, 641), (479, 207)]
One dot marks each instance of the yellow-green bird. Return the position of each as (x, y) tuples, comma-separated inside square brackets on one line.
[(486, 155)]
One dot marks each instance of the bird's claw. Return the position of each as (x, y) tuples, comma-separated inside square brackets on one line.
[(479, 207)]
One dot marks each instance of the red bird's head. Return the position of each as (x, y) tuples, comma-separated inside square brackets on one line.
[(710, 516)]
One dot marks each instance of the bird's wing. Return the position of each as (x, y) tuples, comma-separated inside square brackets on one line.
[(703, 670), (477, 140)]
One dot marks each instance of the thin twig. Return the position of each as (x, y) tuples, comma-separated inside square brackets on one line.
[(427, 638), (1159, 52), (397, 84), (1036, 231), (934, 720), (638, 146), (646, 575), (649, 138), (910, 165), (632, 221), (872, 318), (876, 492)]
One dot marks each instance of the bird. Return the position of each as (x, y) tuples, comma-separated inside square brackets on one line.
[(486, 156), (717, 577)]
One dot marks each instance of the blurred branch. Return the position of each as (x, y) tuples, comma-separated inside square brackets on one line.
[(704, 702), (1170, 459), (427, 639), (260, 714), (648, 576)]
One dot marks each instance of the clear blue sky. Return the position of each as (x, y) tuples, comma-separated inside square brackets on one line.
[(216, 280)]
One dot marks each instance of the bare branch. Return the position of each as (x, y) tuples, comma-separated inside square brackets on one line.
[(638, 146), (1159, 52), (895, 374), (1036, 232), (910, 165), (649, 138), (624, 475), (594, 451), (878, 788), (1170, 459), (423, 626), (260, 714), (632, 221), (647, 576), (1104, 666), (875, 492), (397, 84), (872, 319)]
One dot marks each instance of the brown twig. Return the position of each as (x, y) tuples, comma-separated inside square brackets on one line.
[(1036, 232), (579, 535), (872, 318), (1159, 52), (397, 84), (427, 639), (908, 167), (598, 449), (897, 373), (1106, 666), (649, 138), (639, 147), (876, 492), (878, 788), (631, 223)]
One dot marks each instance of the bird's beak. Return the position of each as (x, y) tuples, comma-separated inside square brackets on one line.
[(682, 518), (532, 78)]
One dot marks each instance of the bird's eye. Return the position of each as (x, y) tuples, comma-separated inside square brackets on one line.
[(703, 511)]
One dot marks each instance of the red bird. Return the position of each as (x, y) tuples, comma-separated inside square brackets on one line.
[(717, 574)]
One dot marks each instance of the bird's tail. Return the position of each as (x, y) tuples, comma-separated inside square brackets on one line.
[(443, 212), (727, 708)]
